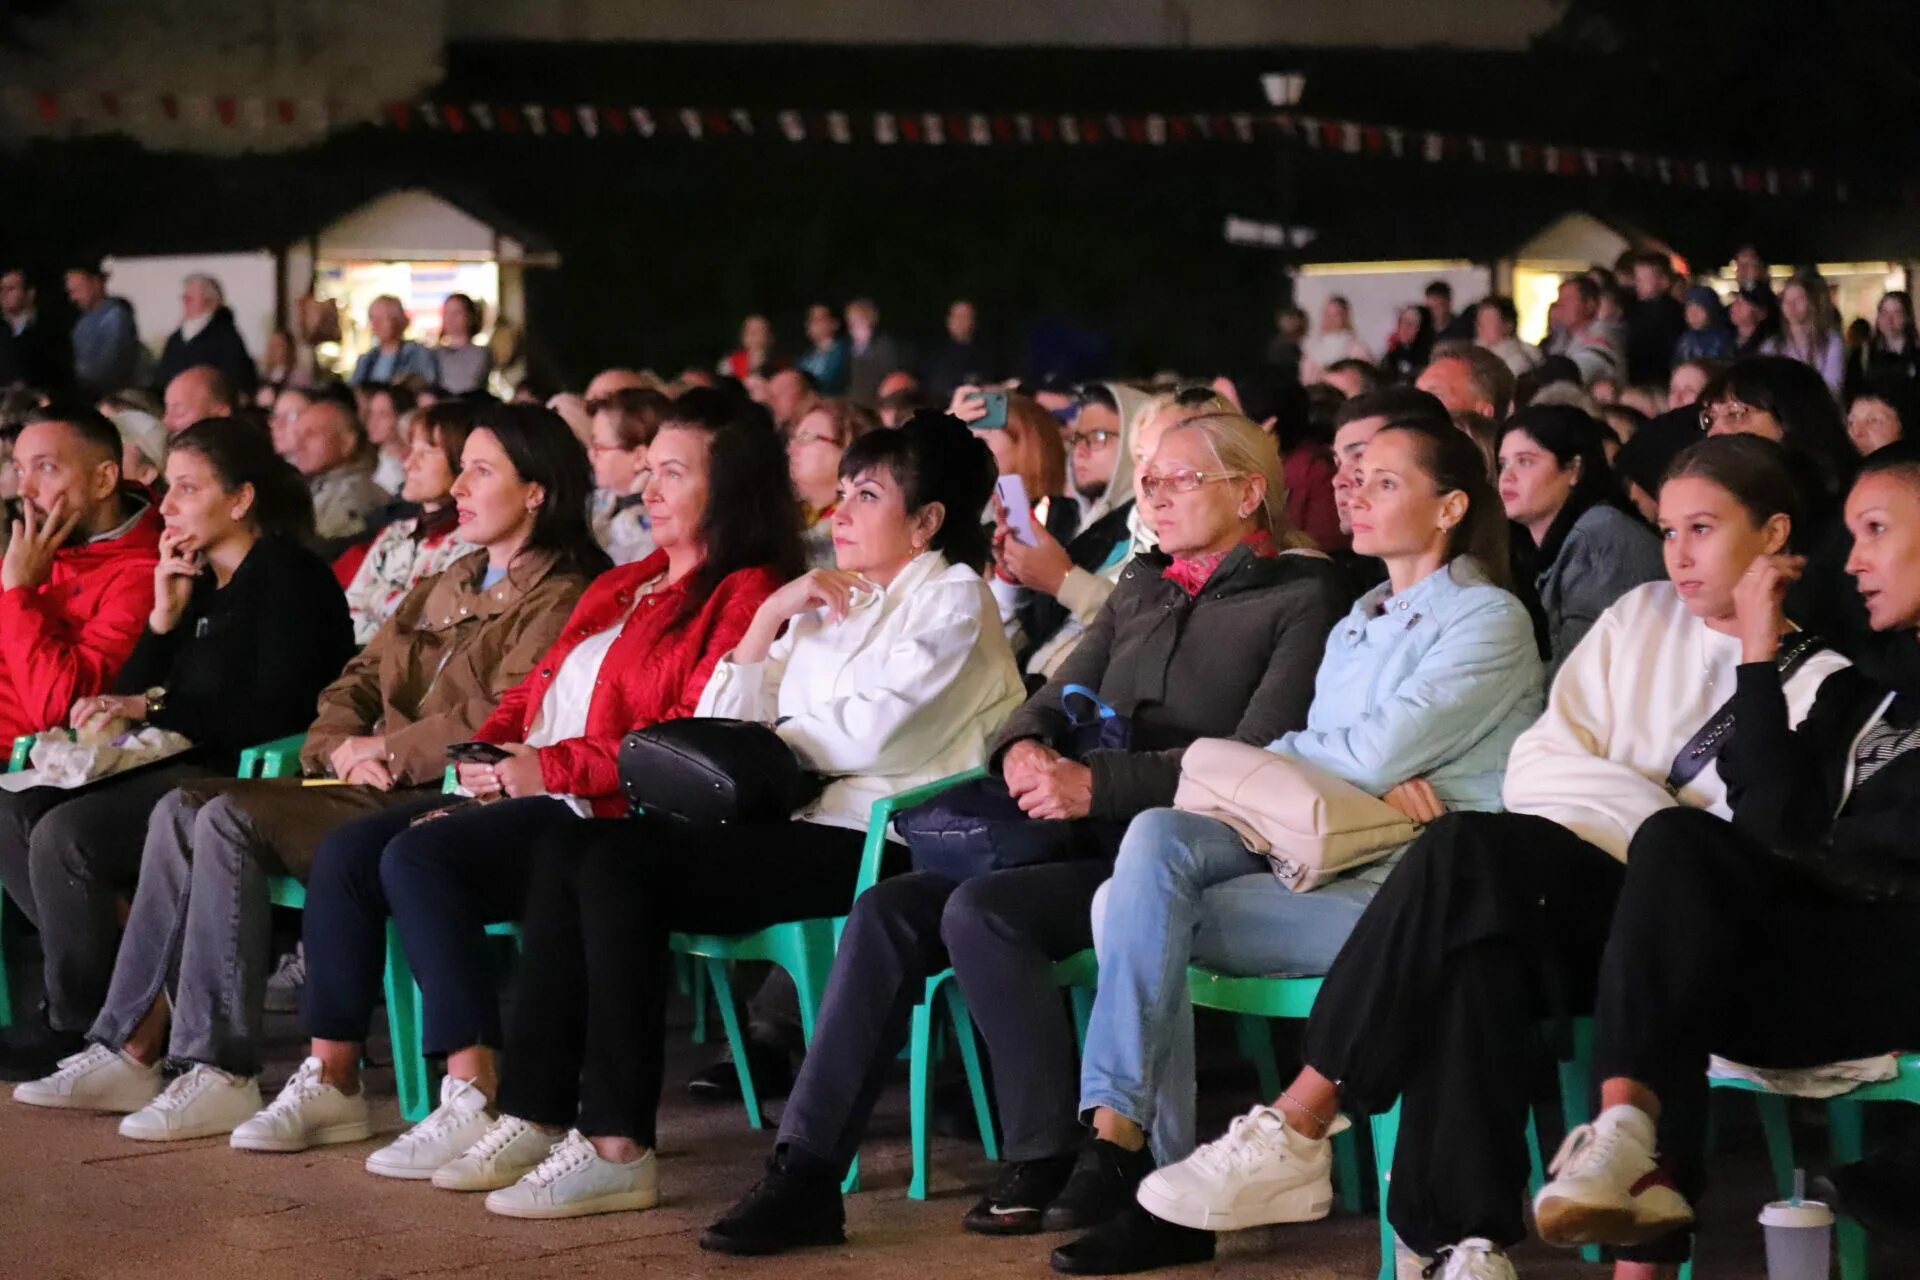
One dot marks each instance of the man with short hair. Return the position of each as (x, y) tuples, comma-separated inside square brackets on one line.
[(1655, 321), (1351, 377), (827, 358), (1576, 317), (329, 450), (1468, 379), (76, 582), (31, 354), (394, 355), (790, 393), (1447, 324), (871, 354), (1359, 420), (106, 344), (207, 336), (960, 361), (1496, 326), (200, 391)]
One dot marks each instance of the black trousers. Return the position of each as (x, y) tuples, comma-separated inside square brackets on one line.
[(584, 1038), (1720, 947), (1001, 933), (1490, 924), (67, 858)]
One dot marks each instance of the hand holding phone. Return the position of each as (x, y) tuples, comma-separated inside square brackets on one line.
[(1013, 497), (476, 753), (995, 417)]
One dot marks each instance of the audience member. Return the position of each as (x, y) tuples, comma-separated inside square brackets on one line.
[(1809, 331), (1708, 335), (1496, 324), (414, 548), (1655, 321), (960, 360), (464, 365), (871, 353), (1468, 379), (754, 356), (283, 421), (1352, 377), (789, 394), (332, 453), (1578, 333), (196, 393), (828, 358), (1409, 345), (1876, 418), (32, 354), (1642, 461), (1754, 313), (1448, 326), (815, 445), (1689, 379), (246, 628), (393, 355), (1890, 355), (624, 423), (106, 344), (1333, 342), (207, 336), (384, 412)]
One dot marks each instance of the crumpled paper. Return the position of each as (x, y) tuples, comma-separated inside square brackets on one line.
[(60, 761)]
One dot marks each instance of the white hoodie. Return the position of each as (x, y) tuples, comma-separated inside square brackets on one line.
[(1630, 696)]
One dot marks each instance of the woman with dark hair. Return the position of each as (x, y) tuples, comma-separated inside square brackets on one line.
[(1494, 922), (1586, 553), (410, 550), (1642, 461), (637, 650), (1421, 691), (1881, 414), (188, 983), (247, 627), (463, 363), (1410, 344), (1891, 354), (386, 410), (816, 442), (1215, 634), (882, 674), (1817, 855)]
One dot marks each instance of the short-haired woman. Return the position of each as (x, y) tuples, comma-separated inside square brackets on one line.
[(409, 551), (621, 428), (882, 674), (815, 443)]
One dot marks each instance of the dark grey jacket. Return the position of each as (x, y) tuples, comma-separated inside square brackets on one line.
[(1606, 554), (1236, 661)]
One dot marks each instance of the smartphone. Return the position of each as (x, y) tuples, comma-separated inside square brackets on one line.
[(1013, 496), (996, 419), (476, 753)]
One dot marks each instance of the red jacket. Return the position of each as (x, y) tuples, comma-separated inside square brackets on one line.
[(67, 638), (655, 671)]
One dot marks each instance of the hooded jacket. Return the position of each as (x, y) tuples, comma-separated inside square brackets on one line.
[(218, 344), (67, 638)]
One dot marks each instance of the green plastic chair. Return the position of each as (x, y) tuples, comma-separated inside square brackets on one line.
[(1255, 1001), (16, 761), (277, 759)]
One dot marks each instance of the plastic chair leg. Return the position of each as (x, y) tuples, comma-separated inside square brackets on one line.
[(736, 1038), (411, 1079), (1846, 1126), (919, 1072), (809, 961), (1536, 1162), (1386, 1131), (1346, 1173), (1255, 1037), (1082, 998), (6, 986), (963, 1035), (1779, 1133), (697, 984)]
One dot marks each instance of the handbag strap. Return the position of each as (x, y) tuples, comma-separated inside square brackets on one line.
[(1101, 711), (1706, 744)]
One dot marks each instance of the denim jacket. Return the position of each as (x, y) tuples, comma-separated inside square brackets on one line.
[(1435, 683)]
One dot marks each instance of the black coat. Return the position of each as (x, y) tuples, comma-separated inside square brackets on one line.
[(1792, 789), (219, 345), (38, 357), (247, 661), (1236, 661)]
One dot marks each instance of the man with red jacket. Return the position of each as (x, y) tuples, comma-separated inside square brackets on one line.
[(76, 583)]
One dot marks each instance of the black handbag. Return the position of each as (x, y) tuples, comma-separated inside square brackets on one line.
[(713, 771)]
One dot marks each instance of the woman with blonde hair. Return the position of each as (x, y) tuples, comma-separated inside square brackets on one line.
[(1216, 633)]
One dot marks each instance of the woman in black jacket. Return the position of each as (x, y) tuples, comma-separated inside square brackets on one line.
[(1216, 634), (1786, 938), (247, 627)]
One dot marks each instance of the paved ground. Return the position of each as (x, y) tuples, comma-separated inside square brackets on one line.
[(76, 1201)]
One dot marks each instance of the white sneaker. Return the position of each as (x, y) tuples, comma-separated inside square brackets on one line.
[(1473, 1259), (308, 1113), (95, 1079), (505, 1153), (1608, 1186), (1261, 1172), (574, 1181), (289, 982), (199, 1104), (456, 1124)]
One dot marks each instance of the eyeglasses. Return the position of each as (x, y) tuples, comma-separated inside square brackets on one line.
[(809, 437), (1184, 480), (1098, 438), (1729, 412)]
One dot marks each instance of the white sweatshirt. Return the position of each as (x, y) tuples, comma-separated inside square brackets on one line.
[(1630, 696), (905, 689)]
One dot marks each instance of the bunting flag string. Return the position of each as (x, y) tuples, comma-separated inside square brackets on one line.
[(44, 111)]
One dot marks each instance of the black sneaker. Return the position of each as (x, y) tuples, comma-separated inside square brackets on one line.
[(720, 1082), (32, 1049), (1881, 1191), (797, 1203), (1103, 1182), (1025, 1189), (1133, 1240)]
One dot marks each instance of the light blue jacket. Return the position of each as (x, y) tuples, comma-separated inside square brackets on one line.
[(1435, 683), (377, 366)]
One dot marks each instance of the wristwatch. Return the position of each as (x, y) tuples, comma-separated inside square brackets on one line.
[(156, 699)]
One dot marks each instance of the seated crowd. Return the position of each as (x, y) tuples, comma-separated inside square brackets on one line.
[(1638, 691)]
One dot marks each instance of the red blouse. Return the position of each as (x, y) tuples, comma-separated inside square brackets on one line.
[(655, 671)]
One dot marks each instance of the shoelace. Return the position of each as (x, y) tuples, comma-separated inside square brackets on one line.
[(186, 1088), (498, 1137), (1460, 1261), (71, 1068), (575, 1152), (1585, 1148), (1248, 1138), (304, 1085), (444, 1117)]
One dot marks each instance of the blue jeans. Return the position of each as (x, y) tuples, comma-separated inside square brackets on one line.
[(1186, 890)]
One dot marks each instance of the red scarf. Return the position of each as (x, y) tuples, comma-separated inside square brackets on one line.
[(1190, 573)]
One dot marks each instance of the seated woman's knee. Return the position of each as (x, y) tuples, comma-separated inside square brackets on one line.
[(1157, 844)]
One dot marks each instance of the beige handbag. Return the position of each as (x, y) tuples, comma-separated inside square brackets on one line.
[(1310, 825)]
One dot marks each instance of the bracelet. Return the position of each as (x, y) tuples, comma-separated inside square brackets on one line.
[(1315, 1116)]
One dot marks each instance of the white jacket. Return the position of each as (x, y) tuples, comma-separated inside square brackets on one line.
[(1629, 697), (906, 689)]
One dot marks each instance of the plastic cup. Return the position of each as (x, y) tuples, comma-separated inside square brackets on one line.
[(1799, 1239)]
